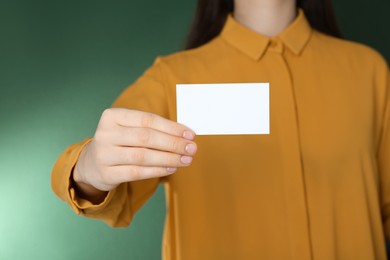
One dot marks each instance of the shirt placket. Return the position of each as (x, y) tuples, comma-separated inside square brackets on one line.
[(287, 120)]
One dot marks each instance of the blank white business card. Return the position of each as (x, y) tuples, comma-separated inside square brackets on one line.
[(224, 109)]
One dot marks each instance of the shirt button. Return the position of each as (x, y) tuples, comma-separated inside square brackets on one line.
[(275, 46)]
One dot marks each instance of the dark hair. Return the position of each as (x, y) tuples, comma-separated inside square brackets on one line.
[(210, 17)]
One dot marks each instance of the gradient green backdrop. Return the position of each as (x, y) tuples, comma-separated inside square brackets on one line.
[(61, 64)]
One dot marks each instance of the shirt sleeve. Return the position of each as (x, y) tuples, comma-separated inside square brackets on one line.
[(384, 159), (118, 208)]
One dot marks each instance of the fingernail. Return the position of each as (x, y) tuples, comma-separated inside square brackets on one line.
[(171, 169), (191, 148), (188, 135), (186, 159)]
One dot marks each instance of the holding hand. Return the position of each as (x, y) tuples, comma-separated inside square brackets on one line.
[(131, 145)]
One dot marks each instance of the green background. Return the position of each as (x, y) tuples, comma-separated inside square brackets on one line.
[(61, 64)]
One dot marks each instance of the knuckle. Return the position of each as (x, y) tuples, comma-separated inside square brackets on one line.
[(120, 135), (138, 156), (106, 121), (99, 136), (143, 136), (173, 160), (147, 120), (107, 113), (135, 173), (175, 144)]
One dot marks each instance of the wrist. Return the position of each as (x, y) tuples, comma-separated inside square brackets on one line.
[(88, 192), (82, 188)]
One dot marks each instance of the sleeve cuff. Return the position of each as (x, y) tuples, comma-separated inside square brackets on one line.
[(80, 204)]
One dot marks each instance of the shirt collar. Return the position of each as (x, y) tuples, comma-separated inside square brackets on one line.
[(253, 44)]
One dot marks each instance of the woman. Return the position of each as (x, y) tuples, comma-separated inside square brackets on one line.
[(317, 187)]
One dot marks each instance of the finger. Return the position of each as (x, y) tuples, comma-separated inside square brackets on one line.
[(135, 118), (128, 173), (153, 139), (148, 157)]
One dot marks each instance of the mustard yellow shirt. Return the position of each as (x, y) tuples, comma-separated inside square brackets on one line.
[(317, 187)]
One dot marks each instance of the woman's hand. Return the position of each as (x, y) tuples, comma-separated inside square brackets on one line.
[(131, 145)]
